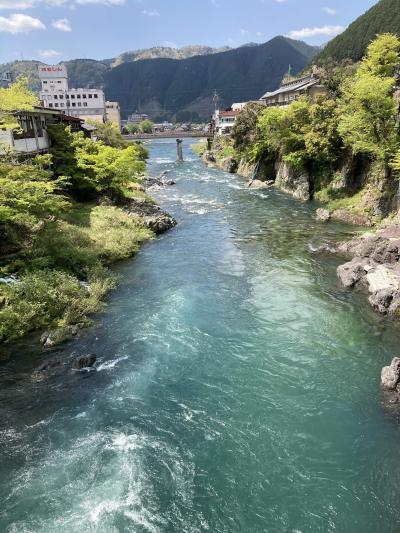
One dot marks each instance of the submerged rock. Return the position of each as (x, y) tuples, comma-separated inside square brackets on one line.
[(152, 215), (84, 361)]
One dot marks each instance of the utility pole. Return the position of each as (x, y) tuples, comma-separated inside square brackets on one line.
[(216, 99)]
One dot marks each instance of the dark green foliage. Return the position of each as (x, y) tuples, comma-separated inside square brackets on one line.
[(245, 132), (382, 18)]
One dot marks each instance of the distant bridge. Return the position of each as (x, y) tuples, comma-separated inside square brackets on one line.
[(167, 135)]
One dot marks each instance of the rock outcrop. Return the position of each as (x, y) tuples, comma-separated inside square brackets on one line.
[(296, 183), (375, 265), (153, 216), (57, 336)]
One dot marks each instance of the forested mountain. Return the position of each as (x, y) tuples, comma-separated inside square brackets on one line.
[(169, 83), (382, 18), (183, 89), (89, 73)]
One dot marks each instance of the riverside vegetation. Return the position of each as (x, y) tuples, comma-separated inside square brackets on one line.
[(65, 216), (342, 149)]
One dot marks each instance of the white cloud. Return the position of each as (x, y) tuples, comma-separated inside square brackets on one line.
[(153, 13), (27, 4), (18, 23), (329, 31), (62, 25), (49, 53), (329, 10)]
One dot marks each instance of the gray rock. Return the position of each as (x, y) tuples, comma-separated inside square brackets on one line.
[(381, 300), (323, 215), (258, 184), (296, 183), (229, 165), (390, 375), (58, 336), (352, 272), (153, 216), (84, 361)]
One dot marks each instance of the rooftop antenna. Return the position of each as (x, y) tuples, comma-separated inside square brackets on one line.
[(216, 99)]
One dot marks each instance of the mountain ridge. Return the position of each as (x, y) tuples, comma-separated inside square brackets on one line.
[(241, 73)]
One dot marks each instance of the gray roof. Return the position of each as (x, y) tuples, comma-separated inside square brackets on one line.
[(301, 85)]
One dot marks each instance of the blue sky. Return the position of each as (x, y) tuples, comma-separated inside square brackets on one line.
[(56, 30)]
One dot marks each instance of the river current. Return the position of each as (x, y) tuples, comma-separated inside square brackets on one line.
[(236, 387)]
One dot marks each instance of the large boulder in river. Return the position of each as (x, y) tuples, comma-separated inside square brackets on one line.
[(390, 375), (152, 215), (323, 215), (84, 361)]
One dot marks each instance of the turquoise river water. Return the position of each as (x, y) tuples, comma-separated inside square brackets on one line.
[(236, 387)]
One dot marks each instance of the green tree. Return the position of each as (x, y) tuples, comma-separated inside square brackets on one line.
[(28, 195), (146, 126), (109, 134), (15, 97), (245, 131), (368, 111), (133, 128)]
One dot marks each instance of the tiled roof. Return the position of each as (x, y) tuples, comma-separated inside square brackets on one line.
[(230, 113), (301, 85)]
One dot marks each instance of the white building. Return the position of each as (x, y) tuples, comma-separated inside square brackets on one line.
[(32, 138), (87, 104), (223, 121), (137, 118)]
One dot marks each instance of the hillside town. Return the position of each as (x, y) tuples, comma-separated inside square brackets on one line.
[(83, 108)]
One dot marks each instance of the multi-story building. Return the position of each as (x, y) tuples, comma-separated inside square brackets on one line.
[(137, 118), (292, 89), (87, 104), (113, 114), (223, 121)]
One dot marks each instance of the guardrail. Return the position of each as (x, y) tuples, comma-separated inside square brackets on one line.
[(167, 135)]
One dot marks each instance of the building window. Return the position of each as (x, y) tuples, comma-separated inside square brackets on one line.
[(61, 105), (50, 105), (73, 104), (95, 95), (83, 95), (45, 82), (90, 96), (84, 104), (55, 97), (55, 105), (72, 96), (78, 96), (59, 82), (61, 97)]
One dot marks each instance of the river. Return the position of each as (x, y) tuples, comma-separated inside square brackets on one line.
[(236, 388)]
